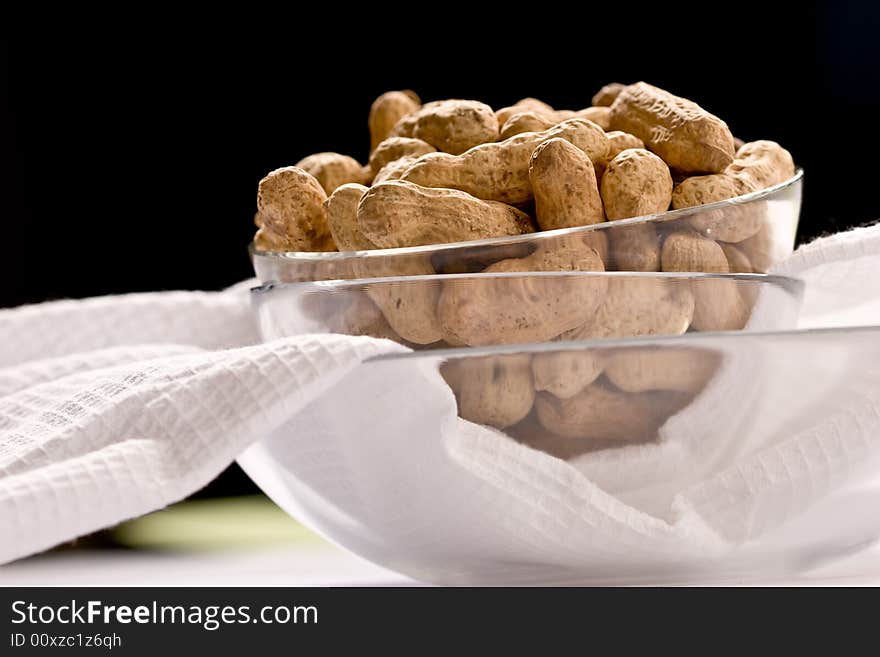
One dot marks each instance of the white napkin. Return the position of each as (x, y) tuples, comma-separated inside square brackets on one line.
[(117, 406)]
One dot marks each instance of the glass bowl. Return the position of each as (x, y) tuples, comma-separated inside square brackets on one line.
[(755, 231), (766, 468)]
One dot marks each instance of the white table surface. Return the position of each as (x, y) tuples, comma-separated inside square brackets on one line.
[(315, 564)]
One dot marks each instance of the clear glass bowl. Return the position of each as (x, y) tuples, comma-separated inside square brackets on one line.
[(512, 307), (767, 466), (756, 230)]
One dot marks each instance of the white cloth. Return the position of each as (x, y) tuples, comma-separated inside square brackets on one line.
[(114, 407)]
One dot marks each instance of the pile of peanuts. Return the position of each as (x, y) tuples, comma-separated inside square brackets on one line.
[(455, 170), (568, 403)]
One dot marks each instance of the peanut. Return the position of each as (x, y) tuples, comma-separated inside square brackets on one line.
[(333, 170), (500, 171), (564, 184), (636, 183), (598, 241), (291, 204), (758, 165), (730, 223), (565, 373), (394, 169), (634, 248), (720, 305), (620, 141), (523, 105), (763, 248), (387, 110), (541, 116), (600, 414), (606, 95), (737, 260), (634, 306), (601, 116), (397, 213), (264, 240), (685, 369), (681, 132), (691, 252), (532, 433), (367, 174), (410, 306), (493, 390), (765, 162), (450, 126), (395, 148), (525, 122), (453, 341), (498, 310), (342, 217)]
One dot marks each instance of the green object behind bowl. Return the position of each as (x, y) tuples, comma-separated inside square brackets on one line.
[(214, 524)]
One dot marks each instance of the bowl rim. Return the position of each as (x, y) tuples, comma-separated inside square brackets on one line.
[(668, 215), (791, 285), (690, 339)]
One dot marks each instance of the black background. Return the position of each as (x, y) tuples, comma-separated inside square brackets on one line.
[(130, 163)]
